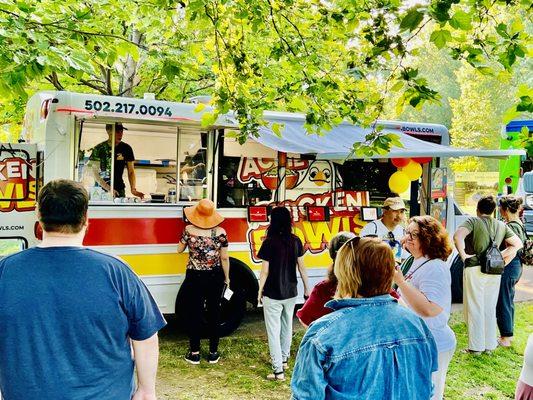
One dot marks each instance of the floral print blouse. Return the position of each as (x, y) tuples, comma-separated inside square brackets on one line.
[(204, 251)]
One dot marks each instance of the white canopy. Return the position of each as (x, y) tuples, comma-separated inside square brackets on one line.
[(337, 143)]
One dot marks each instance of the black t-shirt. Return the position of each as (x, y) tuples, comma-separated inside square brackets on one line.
[(123, 154), (282, 258)]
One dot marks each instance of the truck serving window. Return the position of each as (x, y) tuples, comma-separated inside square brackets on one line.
[(150, 150), (247, 174), (367, 175), (192, 162)]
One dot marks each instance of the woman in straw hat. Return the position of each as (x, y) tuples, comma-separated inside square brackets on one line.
[(207, 275)]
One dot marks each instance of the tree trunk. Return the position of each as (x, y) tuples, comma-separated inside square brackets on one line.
[(129, 77)]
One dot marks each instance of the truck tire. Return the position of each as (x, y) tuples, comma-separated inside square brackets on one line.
[(244, 286)]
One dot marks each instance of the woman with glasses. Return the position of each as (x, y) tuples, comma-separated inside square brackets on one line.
[(370, 347), (426, 288), (509, 209)]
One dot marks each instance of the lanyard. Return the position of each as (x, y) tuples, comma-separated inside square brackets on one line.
[(410, 274)]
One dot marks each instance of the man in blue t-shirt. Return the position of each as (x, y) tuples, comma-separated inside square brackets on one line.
[(70, 316)]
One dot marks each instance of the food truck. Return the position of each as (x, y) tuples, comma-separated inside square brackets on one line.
[(179, 161)]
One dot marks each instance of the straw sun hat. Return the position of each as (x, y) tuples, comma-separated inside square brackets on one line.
[(203, 214)]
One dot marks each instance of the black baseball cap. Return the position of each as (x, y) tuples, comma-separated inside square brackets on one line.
[(118, 127)]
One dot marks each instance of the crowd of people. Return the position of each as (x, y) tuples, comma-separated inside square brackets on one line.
[(90, 345)]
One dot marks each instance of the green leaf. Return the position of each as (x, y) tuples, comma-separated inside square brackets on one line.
[(277, 128), (199, 107), (412, 19), (461, 20), (502, 30), (440, 37), (398, 86), (208, 119), (298, 104)]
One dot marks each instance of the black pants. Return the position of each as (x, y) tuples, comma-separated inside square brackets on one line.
[(203, 288), (505, 307)]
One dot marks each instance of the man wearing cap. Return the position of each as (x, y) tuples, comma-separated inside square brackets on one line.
[(388, 227), (123, 158)]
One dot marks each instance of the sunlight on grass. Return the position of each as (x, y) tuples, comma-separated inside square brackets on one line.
[(241, 372)]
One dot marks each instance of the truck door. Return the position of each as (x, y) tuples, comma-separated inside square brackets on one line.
[(18, 188)]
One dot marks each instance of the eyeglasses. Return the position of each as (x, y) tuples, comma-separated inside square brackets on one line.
[(412, 235)]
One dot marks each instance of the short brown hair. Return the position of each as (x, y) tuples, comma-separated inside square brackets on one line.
[(364, 267), (486, 205), (62, 206), (434, 240)]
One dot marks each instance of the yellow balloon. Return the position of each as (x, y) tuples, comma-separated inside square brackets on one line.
[(413, 170), (399, 182)]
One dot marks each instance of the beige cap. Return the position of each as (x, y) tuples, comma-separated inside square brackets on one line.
[(394, 203)]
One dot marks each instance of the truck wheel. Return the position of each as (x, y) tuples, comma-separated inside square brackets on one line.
[(244, 286)]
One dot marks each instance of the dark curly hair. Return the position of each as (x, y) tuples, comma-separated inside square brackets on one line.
[(433, 238), (511, 203)]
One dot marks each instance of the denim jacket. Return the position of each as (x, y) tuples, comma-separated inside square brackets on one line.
[(368, 348)]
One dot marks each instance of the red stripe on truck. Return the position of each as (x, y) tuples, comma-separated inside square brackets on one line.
[(138, 231)]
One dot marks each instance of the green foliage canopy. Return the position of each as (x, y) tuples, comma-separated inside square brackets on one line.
[(332, 60)]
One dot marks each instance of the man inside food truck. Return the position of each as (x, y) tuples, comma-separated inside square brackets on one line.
[(124, 157), (389, 226)]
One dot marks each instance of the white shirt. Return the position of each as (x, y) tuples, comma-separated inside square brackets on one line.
[(379, 229), (433, 279)]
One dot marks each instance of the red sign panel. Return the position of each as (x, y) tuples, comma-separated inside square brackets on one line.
[(258, 214), (317, 213)]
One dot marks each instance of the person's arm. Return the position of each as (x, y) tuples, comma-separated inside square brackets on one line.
[(181, 247), (459, 240), (94, 166), (146, 355), (303, 274), (224, 260), (308, 378), (262, 280), (132, 179), (182, 244), (414, 298), (513, 244)]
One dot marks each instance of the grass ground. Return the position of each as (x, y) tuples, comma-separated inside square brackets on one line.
[(245, 362)]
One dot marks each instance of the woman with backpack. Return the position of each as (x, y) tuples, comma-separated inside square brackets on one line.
[(509, 209), (281, 254), (476, 239)]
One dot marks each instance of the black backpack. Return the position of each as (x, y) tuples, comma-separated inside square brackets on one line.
[(491, 260)]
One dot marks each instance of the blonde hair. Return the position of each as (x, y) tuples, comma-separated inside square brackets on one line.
[(364, 267)]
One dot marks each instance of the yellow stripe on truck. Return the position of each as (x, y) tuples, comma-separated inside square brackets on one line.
[(175, 264)]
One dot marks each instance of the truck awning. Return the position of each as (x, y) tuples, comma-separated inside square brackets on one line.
[(336, 144)]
